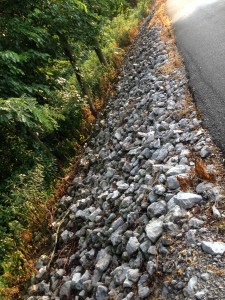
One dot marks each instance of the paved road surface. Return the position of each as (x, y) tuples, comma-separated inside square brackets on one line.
[(200, 32)]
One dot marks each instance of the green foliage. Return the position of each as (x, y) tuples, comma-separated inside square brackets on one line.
[(28, 113), (41, 108)]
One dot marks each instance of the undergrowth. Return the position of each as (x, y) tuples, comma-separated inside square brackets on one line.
[(29, 196)]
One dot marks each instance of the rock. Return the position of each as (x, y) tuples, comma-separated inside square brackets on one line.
[(117, 223), (190, 236), (75, 279), (159, 189), (213, 248), (187, 200), (119, 274), (205, 276), (151, 267), (143, 291), (200, 295), (122, 186), (132, 245), (129, 296), (66, 235), (154, 230), (103, 260), (195, 223), (191, 286), (175, 214), (101, 293), (65, 290), (173, 183), (157, 209), (205, 152), (41, 273), (216, 212), (179, 169), (133, 275)]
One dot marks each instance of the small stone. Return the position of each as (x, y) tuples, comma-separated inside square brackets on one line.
[(205, 276), (133, 275), (129, 296), (179, 169), (122, 186), (154, 230), (101, 293), (156, 209), (213, 248), (145, 246), (151, 267), (143, 291), (186, 200), (191, 286), (200, 295), (190, 236), (117, 223), (160, 189), (195, 223), (173, 183), (41, 273), (76, 277), (205, 152), (66, 235), (132, 245), (65, 290), (216, 212), (103, 260), (175, 214)]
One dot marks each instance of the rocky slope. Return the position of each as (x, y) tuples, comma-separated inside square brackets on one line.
[(141, 220)]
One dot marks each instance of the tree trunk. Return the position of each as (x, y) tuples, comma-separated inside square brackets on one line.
[(40, 143), (69, 54), (99, 52)]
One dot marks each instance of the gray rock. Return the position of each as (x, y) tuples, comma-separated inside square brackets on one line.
[(133, 275), (213, 248), (122, 186), (205, 152), (143, 291), (195, 223), (179, 169), (151, 267), (175, 214), (187, 200), (41, 273), (129, 296), (76, 277), (190, 236), (132, 245), (191, 286), (126, 202), (119, 274), (145, 246), (200, 295), (205, 276), (154, 230), (159, 189), (101, 293), (117, 223), (216, 212), (157, 209), (173, 183), (66, 235), (103, 260), (65, 290)]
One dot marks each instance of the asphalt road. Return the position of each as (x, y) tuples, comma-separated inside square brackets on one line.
[(199, 27)]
